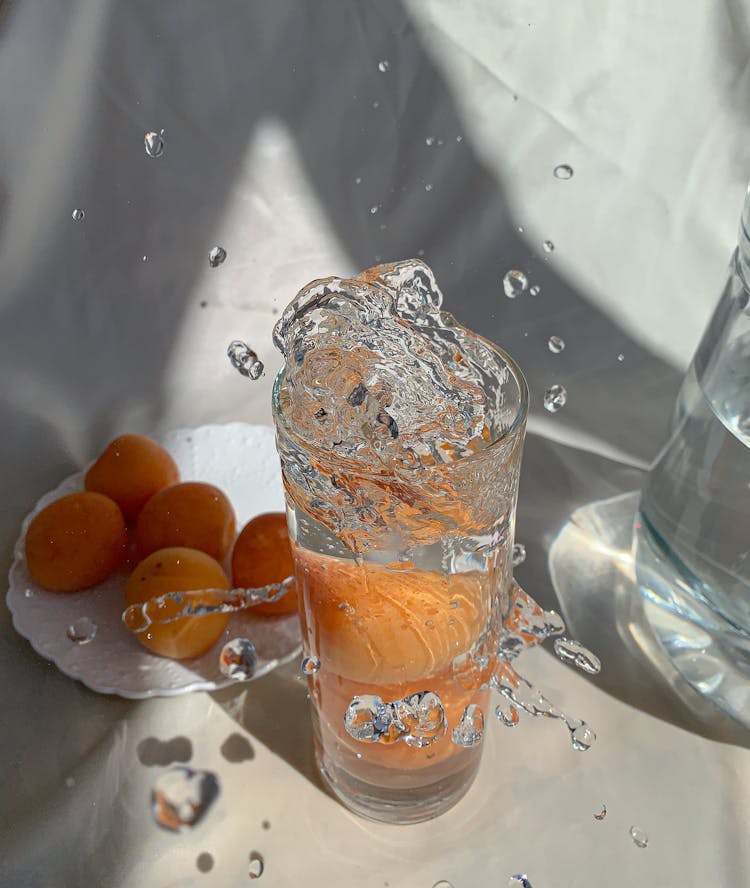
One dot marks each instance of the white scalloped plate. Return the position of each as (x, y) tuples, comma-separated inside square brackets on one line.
[(241, 460)]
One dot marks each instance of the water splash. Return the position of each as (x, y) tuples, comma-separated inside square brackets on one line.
[(508, 714), (555, 398), (563, 171), (639, 837), (154, 144), (238, 659), (77, 214), (571, 651), (601, 813), (470, 729), (419, 720), (181, 797), (519, 554), (216, 255), (310, 665), (244, 359), (555, 344), (514, 283), (200, 603), (256, 865), (82, 631)]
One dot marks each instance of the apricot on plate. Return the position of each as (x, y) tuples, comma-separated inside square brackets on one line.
[(178, 569), (130, 470), (191, 514), (262, 555), (75, 542)]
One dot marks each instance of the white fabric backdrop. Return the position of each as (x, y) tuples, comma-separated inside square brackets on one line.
[(272, 112)]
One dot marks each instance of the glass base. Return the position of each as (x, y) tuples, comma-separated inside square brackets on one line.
[(710, 653), (393, 805)]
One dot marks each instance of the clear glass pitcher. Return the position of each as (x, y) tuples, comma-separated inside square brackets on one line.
[(694, 527)]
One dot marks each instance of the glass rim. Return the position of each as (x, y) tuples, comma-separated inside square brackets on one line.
[(513, 429)]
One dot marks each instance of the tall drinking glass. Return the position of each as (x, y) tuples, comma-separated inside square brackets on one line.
[(403, 581)]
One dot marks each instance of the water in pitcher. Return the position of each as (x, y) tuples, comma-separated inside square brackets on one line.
[(695, 506)]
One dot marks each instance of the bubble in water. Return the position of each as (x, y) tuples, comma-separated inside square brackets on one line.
[(77, 214), (347, 608), (205, 862), (535, 290), (519, 554), (520, 880), (555, 398), (383, 66), (563, 171), (555, 344), (216, 255), (571, 651), (82, 631), (256, 866), (514, 283), (638, 836), (310, 665), (238, 659), (244, 359), (470, 729), (181, 797), (548, 246), (507, 713), (154, 144), (582, 737), (602, 813)]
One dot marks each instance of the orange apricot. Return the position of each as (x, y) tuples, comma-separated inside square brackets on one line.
[(262, 555), (191, 514), (76, 542), (178, 569), (131, 469)]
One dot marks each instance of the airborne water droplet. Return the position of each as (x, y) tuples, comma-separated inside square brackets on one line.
[(216, 255), (181, 797), (571, 651), (256, 867), (582, 737), (555, 344), (470, 729), (520, 880), (563, 171), (601, 814), (244, 359), (82, 631), (28, 593), (428, 186), (638, 836), (374, 208), (621, 358), (519, 554), (555, 398), (77, 214), (514, 283), (154, 144), (430, 140), (205, 862), (310, 665), (237, 659), (507, 713), (535, 290), (548, 246), (383, 66)]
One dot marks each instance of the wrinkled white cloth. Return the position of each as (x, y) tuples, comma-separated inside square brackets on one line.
[(310, 139)]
